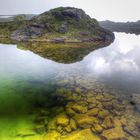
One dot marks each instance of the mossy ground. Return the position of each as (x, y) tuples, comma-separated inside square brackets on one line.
[(6, 28)]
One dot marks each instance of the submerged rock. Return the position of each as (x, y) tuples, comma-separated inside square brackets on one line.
[(114, 134), (85, 134), (84, 121), (73, 124), (62, 120), (79, 108), (97, 128), (53, 135)]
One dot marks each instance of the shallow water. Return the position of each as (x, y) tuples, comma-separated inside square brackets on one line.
[(30, 83)]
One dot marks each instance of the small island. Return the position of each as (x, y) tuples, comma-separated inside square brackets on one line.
[(63, 34), (63, 24)]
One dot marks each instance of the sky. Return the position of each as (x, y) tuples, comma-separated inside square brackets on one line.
[(115, 10)]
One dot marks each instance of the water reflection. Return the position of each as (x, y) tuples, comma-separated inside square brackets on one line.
[(62, 52), (35, 92), (118, 63)]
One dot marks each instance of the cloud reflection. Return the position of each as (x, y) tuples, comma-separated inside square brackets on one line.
[(120, 58)]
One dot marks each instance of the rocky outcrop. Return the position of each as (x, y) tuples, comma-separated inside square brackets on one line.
[(27, 32), (135, 101), (63, 22)]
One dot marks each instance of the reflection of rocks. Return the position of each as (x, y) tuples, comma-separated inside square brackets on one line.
[(62, 52)]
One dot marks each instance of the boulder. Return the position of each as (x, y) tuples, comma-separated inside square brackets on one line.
[(97, 128), (73, 124), (103, 113), (62, 120), (135, 100), (85, 134), (114, 134), (79, 109), (108, 123), (93, 112), (85, 121), (63, 28)]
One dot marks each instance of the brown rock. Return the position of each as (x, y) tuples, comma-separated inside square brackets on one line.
[(93, 112), (85, 121), (73, 124), (114, 134), (67, 129), (92, 105), (108, 123), (85, 134), (80, 109), (103, 113), (91, 100), (97, 128), (62, 120)]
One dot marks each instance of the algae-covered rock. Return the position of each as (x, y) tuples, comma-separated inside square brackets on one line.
[(93, 112), (108, 123), (85, 134), (73, 124), (114, 134), (70, 111), (67, 129), (103, 113), (85, 121), (40, 129), (52, 135), (97, 128), (62, 120), (52, 124), (91, 100), (79, 109)]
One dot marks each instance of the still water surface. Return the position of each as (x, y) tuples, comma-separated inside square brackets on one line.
[(25, 77)]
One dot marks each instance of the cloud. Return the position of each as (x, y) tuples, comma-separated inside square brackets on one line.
[(112, 61)]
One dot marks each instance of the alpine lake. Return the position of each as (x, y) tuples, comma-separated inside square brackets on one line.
[(70, 94)]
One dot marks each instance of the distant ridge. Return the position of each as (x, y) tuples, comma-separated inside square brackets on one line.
[(9, 18), (127, 27)]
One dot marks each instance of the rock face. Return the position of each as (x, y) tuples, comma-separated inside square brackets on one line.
[(63, 22), (135, 100), (33, 30)]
